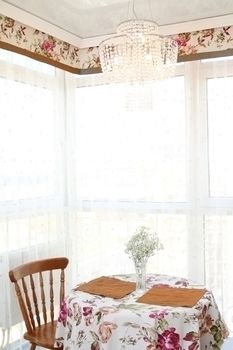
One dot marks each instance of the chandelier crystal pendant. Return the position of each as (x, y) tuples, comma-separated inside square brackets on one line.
[(138, 53)]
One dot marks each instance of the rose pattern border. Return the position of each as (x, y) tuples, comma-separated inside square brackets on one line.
[(92, 322), (203, 41), (36, 42)]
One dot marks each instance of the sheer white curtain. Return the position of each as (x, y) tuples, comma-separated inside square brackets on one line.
[(217, 111), (131, 171), (123, 159), (80, 171), (32, 173), (168, 168)]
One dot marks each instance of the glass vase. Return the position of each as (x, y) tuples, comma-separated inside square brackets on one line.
[(140, 273)]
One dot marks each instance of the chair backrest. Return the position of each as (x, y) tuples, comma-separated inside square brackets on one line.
[(31, 289)]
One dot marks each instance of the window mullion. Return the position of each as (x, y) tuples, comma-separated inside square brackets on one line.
[(197, 169)]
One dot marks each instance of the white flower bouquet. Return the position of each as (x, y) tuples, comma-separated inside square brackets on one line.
[(143, 244)]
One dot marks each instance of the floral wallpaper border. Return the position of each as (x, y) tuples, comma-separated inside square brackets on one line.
[(31, 42)]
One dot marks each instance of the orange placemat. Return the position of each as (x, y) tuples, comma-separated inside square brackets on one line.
[(167, 296), (108, 287)]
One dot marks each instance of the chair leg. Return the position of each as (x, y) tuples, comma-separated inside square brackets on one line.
[(33, 346)]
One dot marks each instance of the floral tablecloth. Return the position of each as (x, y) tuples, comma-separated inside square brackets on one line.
[(90, 322)]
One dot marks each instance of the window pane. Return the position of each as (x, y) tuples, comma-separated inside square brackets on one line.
[(220, 122), (126, 155), (26, 62), (27, 148), (218, 255), (104, 237), (18, 232)]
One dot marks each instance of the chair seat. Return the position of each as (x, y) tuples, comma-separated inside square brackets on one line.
[(43, 336)]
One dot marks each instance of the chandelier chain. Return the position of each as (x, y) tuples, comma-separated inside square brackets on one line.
[(150, 9), (134, 12)]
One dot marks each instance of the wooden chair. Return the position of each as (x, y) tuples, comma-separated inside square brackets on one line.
[(31, 290)]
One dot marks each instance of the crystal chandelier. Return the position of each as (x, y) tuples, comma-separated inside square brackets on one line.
[(137, 53)]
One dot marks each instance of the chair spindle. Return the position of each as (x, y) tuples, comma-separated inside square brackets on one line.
[(28, 303), (35, 300), (62, 286), (51, 295), (43, 297)]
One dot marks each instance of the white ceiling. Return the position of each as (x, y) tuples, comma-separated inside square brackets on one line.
[(91, 18)]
